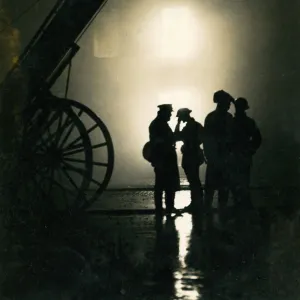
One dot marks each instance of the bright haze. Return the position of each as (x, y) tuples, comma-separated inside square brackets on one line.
[(141, 53)]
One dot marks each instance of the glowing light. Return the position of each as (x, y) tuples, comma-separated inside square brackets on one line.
[(179, 34)]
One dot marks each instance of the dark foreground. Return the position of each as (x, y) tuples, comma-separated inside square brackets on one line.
[(253, 255)]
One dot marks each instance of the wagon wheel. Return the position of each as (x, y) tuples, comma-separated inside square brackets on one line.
[(102, 148), (47, 166)]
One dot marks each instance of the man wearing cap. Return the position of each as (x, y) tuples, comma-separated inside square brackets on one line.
[(246, 140), (218, 127), (192, 155), (164, 159)]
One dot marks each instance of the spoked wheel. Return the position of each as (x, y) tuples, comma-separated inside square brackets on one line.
[(47, 171), (101, 147), (67, 156)]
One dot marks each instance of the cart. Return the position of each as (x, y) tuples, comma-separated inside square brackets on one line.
[(66, 155)]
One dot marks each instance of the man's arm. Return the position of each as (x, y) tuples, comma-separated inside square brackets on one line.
[(256, 138), (201, 133), (207, 138), (229, 134), (177, 132), (154, 135)]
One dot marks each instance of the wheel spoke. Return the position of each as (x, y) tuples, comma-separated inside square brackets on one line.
[(74, 169), (79, 148), (50, 137), (78, 139), (59, 128), (43, 145), (96, 182), (69, 178), (75, 160), (67, 123), (47, 124), (69, 131), (57, 134), (83, 161), (53, 181), (67, 135), (82, 148)]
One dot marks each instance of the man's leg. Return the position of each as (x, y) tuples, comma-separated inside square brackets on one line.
[(169, 200), (192, 174), (224, 185), (158, 194), (158, 190), (209, 187)]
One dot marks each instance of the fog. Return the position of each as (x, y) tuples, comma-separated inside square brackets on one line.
[(140, 53)]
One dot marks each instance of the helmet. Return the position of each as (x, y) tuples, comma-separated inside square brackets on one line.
[(221, 95), (241, 103), (183, 111)]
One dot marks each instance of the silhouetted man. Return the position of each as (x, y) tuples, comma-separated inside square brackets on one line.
[(192, 155), (218, 127), (164, 159), (246, 140)]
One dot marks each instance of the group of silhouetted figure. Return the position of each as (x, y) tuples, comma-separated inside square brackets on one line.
[(229, 143)]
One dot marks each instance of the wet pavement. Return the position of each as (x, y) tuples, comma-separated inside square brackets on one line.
[(252, 256), (123, 251)]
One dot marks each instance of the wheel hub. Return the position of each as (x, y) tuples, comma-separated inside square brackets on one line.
[(53, 157)]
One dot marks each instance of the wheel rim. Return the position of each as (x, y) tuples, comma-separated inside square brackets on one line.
[(48, 173), (102, 148)]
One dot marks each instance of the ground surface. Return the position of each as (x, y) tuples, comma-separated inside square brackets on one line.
[(131, 254)]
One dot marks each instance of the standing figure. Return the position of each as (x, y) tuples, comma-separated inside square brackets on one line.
[(192, 155), (164, 159), (246, 140), (218, 127)]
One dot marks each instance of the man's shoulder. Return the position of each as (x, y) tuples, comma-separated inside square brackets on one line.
[(198, 125), (154, 122), (209, 117), (250, 121), (211, 114), (214, 114), (247, 121), (158, 124)]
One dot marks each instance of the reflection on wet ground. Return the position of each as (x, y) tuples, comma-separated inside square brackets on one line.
[(249, 255), (198, 257), (253, 255)]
